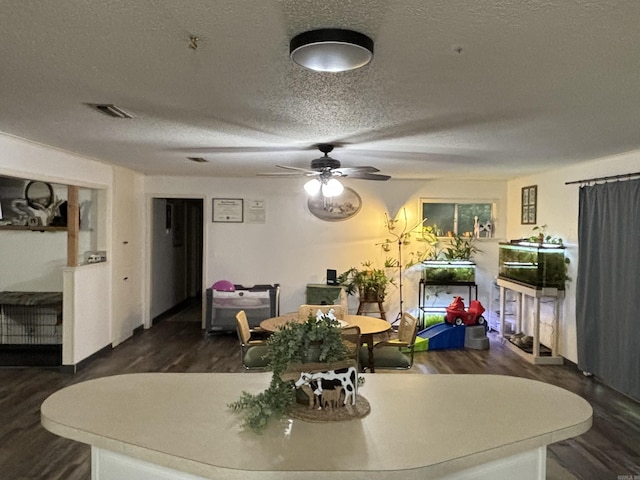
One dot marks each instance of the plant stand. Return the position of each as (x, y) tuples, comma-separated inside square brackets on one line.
[(365, 306)]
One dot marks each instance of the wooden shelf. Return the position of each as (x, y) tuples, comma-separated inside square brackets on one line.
[(38, 228)]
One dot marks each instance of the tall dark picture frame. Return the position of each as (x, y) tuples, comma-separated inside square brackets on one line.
[(529, 205)]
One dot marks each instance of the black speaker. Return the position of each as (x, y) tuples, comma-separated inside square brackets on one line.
[(332, 278)]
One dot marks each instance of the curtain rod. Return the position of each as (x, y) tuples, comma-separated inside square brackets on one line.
[(598, 179)]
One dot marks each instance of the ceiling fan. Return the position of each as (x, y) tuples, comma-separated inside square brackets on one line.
[(326, 171)]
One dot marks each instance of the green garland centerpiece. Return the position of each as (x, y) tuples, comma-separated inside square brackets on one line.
[(318, 339)]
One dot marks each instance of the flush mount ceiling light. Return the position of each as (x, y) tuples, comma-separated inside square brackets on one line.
[(331, 50)]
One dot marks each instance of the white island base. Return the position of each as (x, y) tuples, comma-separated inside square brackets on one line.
[(177, 426), (107, 465)]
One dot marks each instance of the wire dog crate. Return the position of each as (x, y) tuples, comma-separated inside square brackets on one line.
[(30, 318)]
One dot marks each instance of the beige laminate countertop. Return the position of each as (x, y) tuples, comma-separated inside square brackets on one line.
[(419, 424)]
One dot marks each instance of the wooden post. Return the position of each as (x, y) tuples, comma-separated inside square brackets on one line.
[(73, 225)]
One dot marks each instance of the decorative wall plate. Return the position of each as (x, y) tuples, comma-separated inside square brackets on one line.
[(335, 209)]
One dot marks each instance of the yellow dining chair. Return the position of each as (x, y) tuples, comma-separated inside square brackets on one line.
[(252, 352), (387, 354), (311, 310)]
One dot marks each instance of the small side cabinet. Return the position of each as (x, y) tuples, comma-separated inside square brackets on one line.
[(320, 294)]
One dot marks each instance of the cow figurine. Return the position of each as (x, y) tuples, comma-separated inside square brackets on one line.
[(331, 398), (321, 380)]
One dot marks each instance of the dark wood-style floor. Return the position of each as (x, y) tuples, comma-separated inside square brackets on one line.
[(610, 450)]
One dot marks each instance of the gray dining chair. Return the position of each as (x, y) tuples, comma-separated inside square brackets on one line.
[(395, 352)]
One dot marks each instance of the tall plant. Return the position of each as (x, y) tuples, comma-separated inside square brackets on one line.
[(461, 248)]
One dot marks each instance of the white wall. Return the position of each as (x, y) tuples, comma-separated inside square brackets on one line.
[(558, 209), (295, 248), (91, 305), (32, 261), (23, 159)]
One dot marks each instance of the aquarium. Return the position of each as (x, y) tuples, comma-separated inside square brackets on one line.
[(448, 272), (536, 265)]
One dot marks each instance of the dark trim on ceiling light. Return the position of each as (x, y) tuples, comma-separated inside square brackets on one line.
[(110, 110), (198, 159), (331, 49)]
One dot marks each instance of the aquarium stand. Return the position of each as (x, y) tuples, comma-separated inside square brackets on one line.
[(538, 354)]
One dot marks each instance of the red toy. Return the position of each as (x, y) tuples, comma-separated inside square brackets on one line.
[(457, 315)]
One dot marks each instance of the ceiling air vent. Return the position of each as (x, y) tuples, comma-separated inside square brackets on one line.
[(198, 159), (111, 110)]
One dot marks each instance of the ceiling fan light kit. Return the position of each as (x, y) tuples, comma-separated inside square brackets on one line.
[(331, 50), (326, 171), (332, 188), (312, 187)]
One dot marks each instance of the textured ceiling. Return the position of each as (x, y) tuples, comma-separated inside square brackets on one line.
[(471, 89)]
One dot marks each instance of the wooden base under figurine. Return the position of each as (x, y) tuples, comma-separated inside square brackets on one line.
[(331, 414)]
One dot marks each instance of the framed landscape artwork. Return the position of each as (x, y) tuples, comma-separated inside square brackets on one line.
[(529, 204), (335, 209)]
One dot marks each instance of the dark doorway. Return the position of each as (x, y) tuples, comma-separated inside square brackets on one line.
[(177, 255)]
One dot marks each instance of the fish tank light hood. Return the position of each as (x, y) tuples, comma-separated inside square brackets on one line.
[(533, 264), (526, 243)]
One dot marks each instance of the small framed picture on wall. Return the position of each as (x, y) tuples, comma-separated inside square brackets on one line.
[(230, 210), (529, 204)]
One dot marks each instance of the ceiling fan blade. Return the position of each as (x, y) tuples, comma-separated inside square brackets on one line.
[(242, 149), (306, 171), (368, 176), (294, 172), (280, 174), (352, 170)]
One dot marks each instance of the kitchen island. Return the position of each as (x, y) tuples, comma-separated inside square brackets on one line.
[(161, 426)]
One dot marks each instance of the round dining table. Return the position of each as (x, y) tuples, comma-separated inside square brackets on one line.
[(369, 326)]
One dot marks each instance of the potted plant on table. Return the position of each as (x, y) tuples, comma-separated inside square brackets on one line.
[(319, 339)]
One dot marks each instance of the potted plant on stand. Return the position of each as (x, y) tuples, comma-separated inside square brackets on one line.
[(369, 283)]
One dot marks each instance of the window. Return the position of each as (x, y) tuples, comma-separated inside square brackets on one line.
[(447, 219)]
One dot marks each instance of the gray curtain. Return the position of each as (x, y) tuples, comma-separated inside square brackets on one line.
[(608, 284)]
